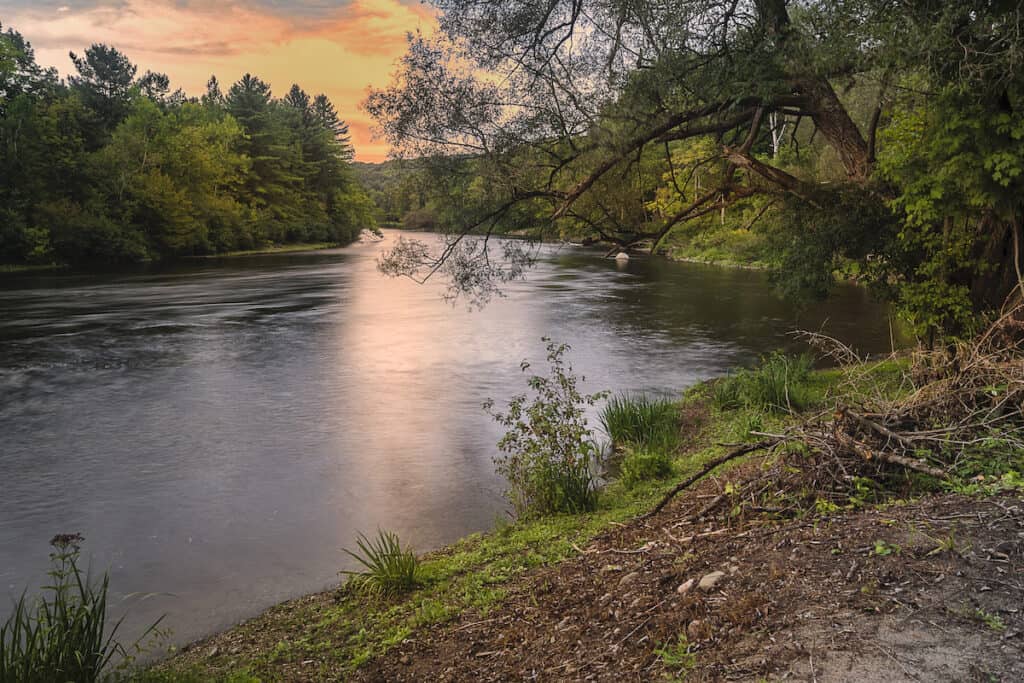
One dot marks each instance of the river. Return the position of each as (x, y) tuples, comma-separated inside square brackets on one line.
[(219, 430)]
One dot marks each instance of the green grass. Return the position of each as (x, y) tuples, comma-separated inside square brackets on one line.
[(645, 465), (28, 268), (642, 421), (271, 249), (780, 383)]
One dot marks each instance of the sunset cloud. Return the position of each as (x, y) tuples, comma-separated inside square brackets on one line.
[(340, 49)]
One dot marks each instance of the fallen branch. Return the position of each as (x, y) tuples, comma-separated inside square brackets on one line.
[(708, 468), (891, 458)]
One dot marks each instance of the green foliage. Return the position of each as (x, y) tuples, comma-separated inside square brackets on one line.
[(958, 164), (388, 567), (778, 384), (114, 168), (549, 453), (62, 635), (645, 465), (642, 421), (678, 655), (883, 548)]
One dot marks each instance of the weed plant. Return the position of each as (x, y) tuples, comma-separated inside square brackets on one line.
[(62, 635), (388, 568), (549, 456)]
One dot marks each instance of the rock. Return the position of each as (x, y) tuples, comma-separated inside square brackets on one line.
[(611, 568), (685, 586), (733, 568), (404, 660), (694, 629), (710, 580), (563, 624), (622, 256), (628, 579), (214, 651)]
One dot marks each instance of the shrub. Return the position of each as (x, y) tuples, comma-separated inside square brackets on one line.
[(61, 636), (388, 567), (643, 465), (549, 454), (642, 421), (778, 384)]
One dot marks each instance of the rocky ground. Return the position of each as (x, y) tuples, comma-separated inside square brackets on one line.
[(924, 591)]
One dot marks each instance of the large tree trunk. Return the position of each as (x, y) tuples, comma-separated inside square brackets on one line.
[(998, 247), (835, 124)]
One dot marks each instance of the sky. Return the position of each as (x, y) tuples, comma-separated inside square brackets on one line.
[(337, 48)]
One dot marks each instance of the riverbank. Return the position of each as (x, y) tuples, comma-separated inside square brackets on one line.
[(274, 249), (910, 580)]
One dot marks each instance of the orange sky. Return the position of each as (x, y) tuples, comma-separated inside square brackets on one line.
[(338, 48)]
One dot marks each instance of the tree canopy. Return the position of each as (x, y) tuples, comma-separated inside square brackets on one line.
[(872, 134), (112, 167)]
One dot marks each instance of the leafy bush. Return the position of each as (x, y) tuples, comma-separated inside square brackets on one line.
[(643, 465), (642, 421), (778, 384), (389, 568), (61, 635), (549, 452)]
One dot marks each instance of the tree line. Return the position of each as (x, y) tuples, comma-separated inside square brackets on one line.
[(109, 166), (858, 136)]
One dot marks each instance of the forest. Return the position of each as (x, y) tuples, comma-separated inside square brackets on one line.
[(110, 166)]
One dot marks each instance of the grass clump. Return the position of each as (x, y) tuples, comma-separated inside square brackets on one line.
[(62, 635), (549, 456), (642, 421), (388, 568), (643, 465), (678, 656), (780, 383)]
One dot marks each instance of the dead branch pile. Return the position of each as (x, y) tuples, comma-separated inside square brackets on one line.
[(964, 411)]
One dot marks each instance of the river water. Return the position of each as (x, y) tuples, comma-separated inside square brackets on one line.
[(219, 430)]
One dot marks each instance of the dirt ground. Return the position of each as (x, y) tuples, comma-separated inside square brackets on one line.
[(925, 591)]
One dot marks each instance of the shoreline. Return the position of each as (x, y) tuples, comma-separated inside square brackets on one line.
[(477, 591)]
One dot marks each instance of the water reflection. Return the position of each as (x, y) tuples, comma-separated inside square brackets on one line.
[(218, 431)]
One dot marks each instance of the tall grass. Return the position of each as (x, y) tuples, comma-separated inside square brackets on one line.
[(61, 635), (642, 422), (388, 568), (778, 384)]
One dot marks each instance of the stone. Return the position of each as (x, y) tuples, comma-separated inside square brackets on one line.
[(622, 256), (685, 586), (214, 651), (611, 568), (693, 630), (709, 581)]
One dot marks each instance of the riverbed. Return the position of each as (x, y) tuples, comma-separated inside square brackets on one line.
[(219, 430)]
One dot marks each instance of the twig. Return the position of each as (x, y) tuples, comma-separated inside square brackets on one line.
[(708, 468)]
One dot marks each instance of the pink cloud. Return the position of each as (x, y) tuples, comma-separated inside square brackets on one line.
[(340, 53)]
